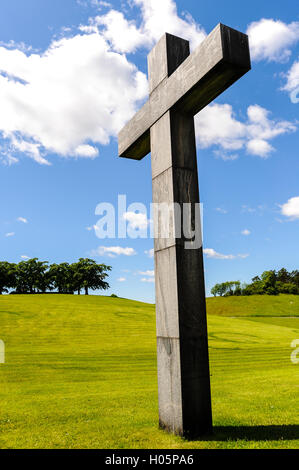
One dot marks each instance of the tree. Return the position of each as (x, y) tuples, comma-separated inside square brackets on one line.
[(270, 282), (33, 276), (90, 275), (214, 290), (7, 276), (61, 278), (287, 288), (294, 278), (255, 288), (30, 276), (283, 276), (268, 279), (226, 288), (232, 288)]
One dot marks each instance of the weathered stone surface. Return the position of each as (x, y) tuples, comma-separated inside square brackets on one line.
[(180, 292), (161, 156), (166, 279), (181, 85), (221, 59), (175, 51), (169, 384), (164, 213), (174, 173)]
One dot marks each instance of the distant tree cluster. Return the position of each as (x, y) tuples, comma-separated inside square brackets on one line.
[(227, 288), (34, 276), (270, 282)]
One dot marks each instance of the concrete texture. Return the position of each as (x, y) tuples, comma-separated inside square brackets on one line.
[(181, 85), (221, 59), (180, 294)]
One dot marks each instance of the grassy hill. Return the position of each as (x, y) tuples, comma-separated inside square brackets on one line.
[(283, 305), (80, 372)]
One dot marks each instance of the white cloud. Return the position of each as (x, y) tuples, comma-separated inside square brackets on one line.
[(94, 3), (22, 219), (150, 253), (211, 253), (147, 279), (271, 39), (226, 156), (292, 84), (216, 125), (10, 234), (6, 158), (100, 3), (222, 211), (137, 220), (87, 151), (121, 279), (31, 149), (150, 273), (25, 257), (113, 251), (158, 17), (259, 147), (21, 46), (246, 232), (249, 209), (291, 208), (82, 89), (75, 95), (123, 35)]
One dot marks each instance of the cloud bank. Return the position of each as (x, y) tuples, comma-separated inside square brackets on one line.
[(211, 253), (80, 91), (271, 39), (291, 208), (216, 125)]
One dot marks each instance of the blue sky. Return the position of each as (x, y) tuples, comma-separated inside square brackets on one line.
[(73, 72)]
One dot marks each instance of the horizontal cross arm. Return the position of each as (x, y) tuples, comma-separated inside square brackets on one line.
[(221, 59)]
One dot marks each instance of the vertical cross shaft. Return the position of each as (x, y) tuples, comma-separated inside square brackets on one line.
[(183, 363)]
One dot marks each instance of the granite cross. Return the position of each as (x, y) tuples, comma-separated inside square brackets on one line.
[(180, 86)]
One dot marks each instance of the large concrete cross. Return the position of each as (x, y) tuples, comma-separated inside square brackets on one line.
[(181, 85)]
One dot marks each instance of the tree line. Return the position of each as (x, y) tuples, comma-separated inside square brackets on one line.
[(34, 276), (270, 282)]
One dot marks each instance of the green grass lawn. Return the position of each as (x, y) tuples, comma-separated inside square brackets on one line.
[(282, 305), (80, 372)]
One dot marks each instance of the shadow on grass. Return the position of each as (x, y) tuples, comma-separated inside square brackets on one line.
[(254, 433)]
